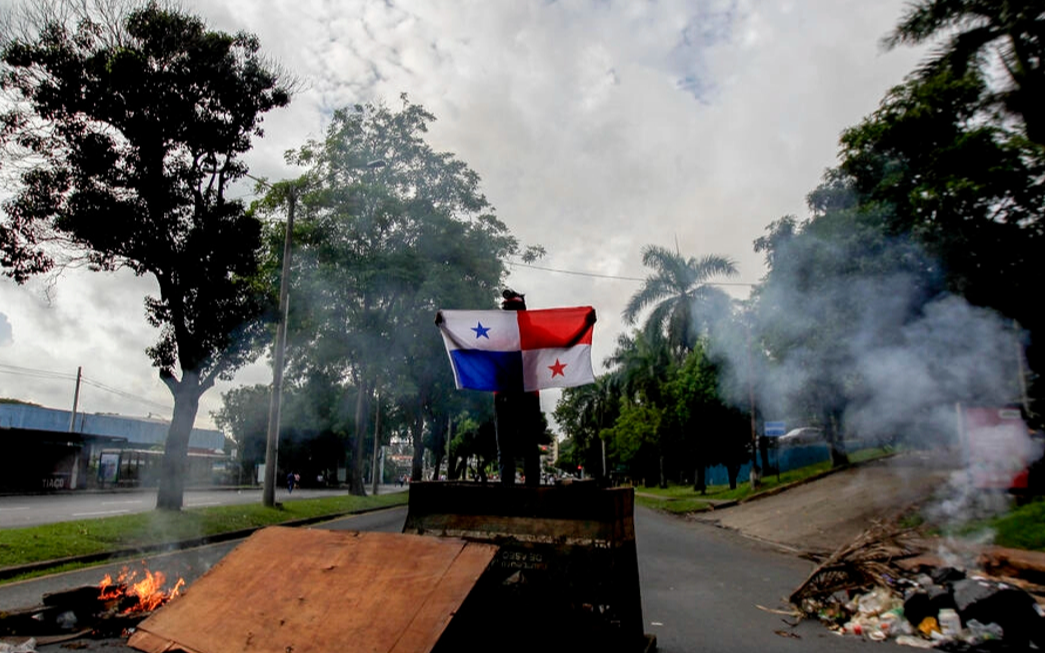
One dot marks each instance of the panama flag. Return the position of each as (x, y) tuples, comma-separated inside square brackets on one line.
[(504, 351)]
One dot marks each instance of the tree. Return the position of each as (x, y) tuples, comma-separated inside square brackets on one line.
[(128, 134), (381, 249), (931, 167), (643, 363), (244, 415), (979, 34), (711, 431), (584, 413), (678, 290)]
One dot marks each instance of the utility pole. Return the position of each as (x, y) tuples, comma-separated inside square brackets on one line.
[(756, 472), (76, 399), (268, 497), (272, 440)]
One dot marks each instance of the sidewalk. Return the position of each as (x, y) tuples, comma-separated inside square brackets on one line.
[(831, 511)]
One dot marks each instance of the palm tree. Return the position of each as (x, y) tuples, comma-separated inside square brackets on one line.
[(1011, 30), (679, 293)]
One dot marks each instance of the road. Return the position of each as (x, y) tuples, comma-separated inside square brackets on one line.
[(33, 510), (701, 586)]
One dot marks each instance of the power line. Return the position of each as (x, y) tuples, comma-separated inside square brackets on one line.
[(35, 374), (619, 277), (29, 372), (121, 393)]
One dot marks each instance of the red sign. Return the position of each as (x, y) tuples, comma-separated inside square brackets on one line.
[(998, 447)]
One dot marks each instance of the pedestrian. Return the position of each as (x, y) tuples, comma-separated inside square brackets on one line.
[(291, 479)]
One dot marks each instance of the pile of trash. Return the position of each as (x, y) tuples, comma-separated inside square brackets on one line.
[(864, 590)]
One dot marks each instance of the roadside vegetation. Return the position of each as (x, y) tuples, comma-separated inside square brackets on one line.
[(1020, 527), (683, 499), (20, 546)]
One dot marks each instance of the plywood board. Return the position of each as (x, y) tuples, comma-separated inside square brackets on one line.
[(288, 590)]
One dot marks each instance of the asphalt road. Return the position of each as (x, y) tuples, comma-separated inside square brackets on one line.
[(701, 587), (33, 510)]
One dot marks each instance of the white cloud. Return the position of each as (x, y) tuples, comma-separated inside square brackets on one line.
[(6, 333), (597, 128)]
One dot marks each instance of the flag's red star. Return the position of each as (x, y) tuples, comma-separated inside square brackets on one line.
[(557, 369)]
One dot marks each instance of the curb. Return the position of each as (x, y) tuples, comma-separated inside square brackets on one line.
[(783, 488), (43, 565), (815, 477)]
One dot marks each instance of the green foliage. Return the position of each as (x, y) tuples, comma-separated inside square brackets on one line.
[(475, 437), (683, 303), (1022, 528), (976, 37), (935, 194), (391, 231), (634, 435), (710, 431)]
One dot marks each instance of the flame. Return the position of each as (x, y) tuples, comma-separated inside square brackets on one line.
[(149, 590)]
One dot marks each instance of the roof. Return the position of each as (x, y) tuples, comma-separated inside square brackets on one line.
[(143, 431)]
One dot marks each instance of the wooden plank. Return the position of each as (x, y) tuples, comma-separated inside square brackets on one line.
[(441, 605), (289, 590)]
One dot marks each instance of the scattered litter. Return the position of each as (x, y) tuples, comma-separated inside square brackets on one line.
[(787, 633), (786, 613), (861, 590), (28, 646), (912, 641)]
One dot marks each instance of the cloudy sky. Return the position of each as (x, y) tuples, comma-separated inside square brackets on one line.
[(597, 126)]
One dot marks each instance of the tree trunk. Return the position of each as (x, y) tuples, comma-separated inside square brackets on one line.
[(440, 437), (175, 454), (416, 466), (733, 471), (453, 467), (700, 484), (355, 485), (839, 458)]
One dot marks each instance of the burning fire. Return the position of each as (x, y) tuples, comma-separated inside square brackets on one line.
[(148, 591)]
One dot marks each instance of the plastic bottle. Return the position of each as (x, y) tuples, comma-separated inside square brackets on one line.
[(950, 622)]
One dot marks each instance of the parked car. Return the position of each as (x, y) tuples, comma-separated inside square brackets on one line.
[(803, 435)]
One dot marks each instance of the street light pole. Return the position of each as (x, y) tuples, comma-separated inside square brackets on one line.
[(272, 439), (268, 496)]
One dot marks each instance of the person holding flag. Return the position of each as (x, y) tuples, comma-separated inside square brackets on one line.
[(515, 353)]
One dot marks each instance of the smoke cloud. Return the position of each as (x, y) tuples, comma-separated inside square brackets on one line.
[(889, 352), (892, 355)]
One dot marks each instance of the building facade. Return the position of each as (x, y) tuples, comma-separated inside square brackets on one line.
[(46, 449)]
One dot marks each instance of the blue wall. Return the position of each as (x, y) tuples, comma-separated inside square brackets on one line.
[(790, 457), (137, 431)]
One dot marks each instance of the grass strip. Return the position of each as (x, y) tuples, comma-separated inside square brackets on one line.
[(19, 546), (681, 499), (1022, 527)]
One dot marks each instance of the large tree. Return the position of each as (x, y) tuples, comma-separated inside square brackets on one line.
[(392, 231), (978, 35), (126, 130)]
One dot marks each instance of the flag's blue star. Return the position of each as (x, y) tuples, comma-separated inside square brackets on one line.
[(480, 331)]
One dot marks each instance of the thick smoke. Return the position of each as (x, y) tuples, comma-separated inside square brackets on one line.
[(888, 351), (892, 356)]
